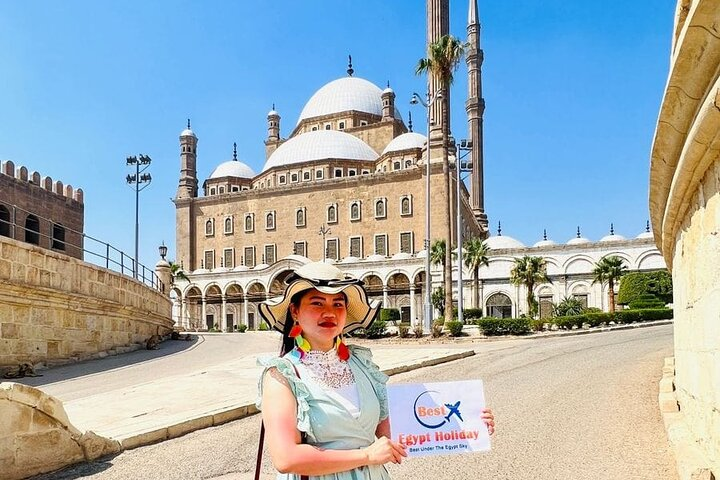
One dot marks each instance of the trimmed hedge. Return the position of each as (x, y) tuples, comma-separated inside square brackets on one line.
[(472, 313), (455, 328), (658, 284), (504, 326), (389, 314), (647, 300), (621, 316)]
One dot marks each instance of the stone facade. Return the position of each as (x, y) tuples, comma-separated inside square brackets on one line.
[(37, 437), (685, 211), (55, 308), (41, 211)]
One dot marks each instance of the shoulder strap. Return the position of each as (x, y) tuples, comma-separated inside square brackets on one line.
[(258, 463)]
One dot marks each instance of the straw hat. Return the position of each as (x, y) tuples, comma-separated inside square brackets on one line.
[(325, 278)]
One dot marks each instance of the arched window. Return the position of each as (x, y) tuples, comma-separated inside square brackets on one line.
[(249, 227), (4, 221), (332, 214), (228, 225), (405, 206), (396, 166), (380, 209), (355, 211), (498, 305), (270, 221), (300, 217), (32, 230)]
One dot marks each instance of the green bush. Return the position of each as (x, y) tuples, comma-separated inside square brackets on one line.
[(646, 300), (376, 329), (569, 306), (627, 316), (597, 318), (649, 314), (455, 328), (504, 326), (437, 327), (241, 328), (389, 314), (537, 325), (592, 310), (418, 331), (658, 284), (472, 314), (263, 327), (403, 331)]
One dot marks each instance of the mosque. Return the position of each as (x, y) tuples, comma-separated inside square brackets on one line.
[(347, 186)]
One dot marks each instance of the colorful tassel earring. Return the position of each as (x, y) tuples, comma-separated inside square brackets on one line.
[(342, 350), (295, 330)]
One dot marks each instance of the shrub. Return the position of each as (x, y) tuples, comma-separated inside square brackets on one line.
[(472, 314), (437, 299), (263, 327), (596, 318), (241, 328), (376, 329), (537, 325), (504, 326), (437, 327), (646, 300), (403, 331), (658, 284), (418, 331), (569, 306), (656, 314), (389, 314), (455, 328), (627, 316), (592, 310)]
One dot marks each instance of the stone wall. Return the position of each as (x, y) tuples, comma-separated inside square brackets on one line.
[(37, 437), (685, 211), (55, 308)]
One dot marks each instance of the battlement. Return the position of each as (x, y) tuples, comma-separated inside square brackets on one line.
[(46, 183)]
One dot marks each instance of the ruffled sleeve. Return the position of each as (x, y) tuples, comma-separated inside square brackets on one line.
[(285, 367), (378, 378)]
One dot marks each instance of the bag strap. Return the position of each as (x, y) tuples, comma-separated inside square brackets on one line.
[(258, 463)]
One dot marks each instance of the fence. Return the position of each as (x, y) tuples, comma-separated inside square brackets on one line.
[(68, 241)]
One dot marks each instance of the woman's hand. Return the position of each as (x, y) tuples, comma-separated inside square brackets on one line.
[(489, 419), (384, 450)]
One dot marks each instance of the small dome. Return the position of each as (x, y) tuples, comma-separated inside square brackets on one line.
[(261, 266), (320, 145), (241, 268), (646, 235), (350, 259), (405, 141), (187, 133), (232, 168), (273, 113), (544, 243), (578, 241), (375, 258), (612, 238), (501, 241), (421, 254), (401, 256), (342, 95), (388, 90)]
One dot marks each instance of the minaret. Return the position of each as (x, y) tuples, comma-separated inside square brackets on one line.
[(188, 185), (388, 104), (475, 108), (438, 25), (273, 138)]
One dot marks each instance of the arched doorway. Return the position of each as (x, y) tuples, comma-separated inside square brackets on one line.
[(234, 302), (373, 287), (498, 305), (399, 295), (255, 295), (193, 308), (213, 307), (277, 285)]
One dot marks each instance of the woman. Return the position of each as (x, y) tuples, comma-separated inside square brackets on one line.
[(324, 404)]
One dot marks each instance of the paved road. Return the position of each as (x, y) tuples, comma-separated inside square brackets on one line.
[(581, 407)]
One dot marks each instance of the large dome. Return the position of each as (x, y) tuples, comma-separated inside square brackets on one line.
[(342, 95), (405, 141), (320, 145), (232, 168)]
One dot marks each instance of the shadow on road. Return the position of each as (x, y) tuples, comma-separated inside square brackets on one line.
[(80, 470), (89, 367)]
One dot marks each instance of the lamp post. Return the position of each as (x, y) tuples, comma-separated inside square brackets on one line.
[(429, 100), (324, 231), (163, 250), (137, 179), (466, 146)]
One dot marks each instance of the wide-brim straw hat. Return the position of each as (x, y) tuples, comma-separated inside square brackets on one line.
[(325, 278)]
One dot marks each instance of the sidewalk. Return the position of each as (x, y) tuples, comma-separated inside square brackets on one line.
[(175, 405)]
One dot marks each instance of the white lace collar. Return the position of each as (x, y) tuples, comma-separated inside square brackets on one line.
[(327, 368)]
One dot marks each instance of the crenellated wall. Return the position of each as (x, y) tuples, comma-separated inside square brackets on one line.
[(58, 210), (55, 308)]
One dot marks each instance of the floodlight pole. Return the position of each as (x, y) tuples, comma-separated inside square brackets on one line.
[(465, 145), (137, 180)]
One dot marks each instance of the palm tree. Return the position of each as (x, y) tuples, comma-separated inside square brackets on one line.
[(529, 271), (609, 269), (177, 273), (475, 256), (437, 253), (443, 59)]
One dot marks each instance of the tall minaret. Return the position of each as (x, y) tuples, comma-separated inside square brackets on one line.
[(188, 185), (438, 24), (475, 108), (273, 139)]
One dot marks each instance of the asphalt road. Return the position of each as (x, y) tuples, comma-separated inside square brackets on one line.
[(579, 407)]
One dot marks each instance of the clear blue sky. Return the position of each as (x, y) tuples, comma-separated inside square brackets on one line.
[(572, 90)]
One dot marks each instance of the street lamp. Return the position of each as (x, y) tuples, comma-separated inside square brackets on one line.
[(466, 146), (137, 179), (324, 231), (429, 100), (163, 250)]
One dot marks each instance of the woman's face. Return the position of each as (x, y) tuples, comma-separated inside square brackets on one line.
[(321, 316)]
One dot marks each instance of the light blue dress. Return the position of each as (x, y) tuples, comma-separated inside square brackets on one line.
[(328, 424)]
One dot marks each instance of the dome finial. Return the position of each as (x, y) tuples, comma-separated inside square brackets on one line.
[(388, 84), (350, 70), (273, 106), (235, 151), (410, 121), (499, 229), (578, 231), (188, 124), (647, 226), (544, 235), (612, 229)]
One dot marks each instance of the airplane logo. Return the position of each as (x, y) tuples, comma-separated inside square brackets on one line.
[(454, 410)]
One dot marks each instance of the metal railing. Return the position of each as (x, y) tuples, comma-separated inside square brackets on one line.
[(65, 240)]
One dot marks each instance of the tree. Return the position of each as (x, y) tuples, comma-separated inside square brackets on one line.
[(475, 256), (529, 271), (177, 273), (609, 270), (443, 59), (437, 253), (438, 300)]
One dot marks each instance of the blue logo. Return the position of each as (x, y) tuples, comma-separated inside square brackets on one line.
[(431, 414)]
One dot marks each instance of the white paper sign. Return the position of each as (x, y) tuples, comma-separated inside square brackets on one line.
[(438, 418)]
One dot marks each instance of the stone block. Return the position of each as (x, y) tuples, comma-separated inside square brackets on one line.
[(94, 446), (16, 417), (230, 415), (668, 402), (189, 426), (144, 439), (54, 408), (25, 394), (9, 330), (5, 268), (46, 451), (667, 385)]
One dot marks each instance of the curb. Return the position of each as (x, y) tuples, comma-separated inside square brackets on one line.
[(220, 416), (613, 328), (690, 461)]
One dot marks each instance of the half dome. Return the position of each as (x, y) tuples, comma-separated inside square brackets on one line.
[(342, 95), (502, 241), (232, 168), (320, 145), (405, 141)]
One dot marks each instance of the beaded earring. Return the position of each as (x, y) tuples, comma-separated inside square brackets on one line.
[(342, 350)]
